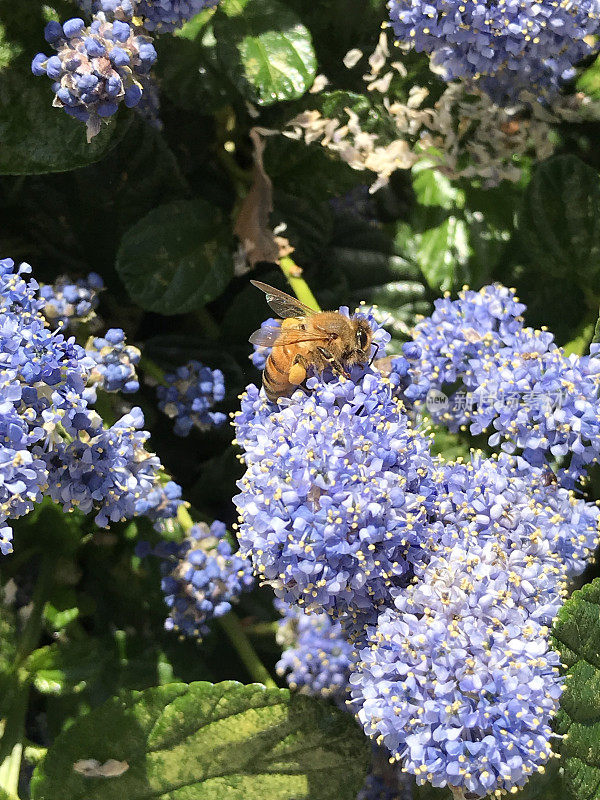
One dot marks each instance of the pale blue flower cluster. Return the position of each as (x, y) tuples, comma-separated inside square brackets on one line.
[(189, 395), (156, 16), (52, 442), (97, 67), (335, 499), (457, 679), (69, 303), (202, 577), (316, 658), (165, 16), (445, 577), (115, 362), (504, 47), (540, 401)]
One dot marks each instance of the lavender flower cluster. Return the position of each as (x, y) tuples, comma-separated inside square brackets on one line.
[(68, 303), (504, 47), (427, 587), (316, 658), (52, 443), (189, 395), (165, 16), (202, 576), (115, 362), (538, 400), (108, 62), (96, 67)]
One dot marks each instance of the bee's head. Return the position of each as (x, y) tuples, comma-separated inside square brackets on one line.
[(363, 336)]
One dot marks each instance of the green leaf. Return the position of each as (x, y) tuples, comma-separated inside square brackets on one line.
[(589, 80), (62, 609), (442, 252), (176, 258), (191, 74), (439, 240), (451, 242), (435, 190), (596, 338), (265, 49), (559, 222), (209, 742), (577, 636), (66, 667), (37, 138)]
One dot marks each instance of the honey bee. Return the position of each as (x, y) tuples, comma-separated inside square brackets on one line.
[(308, 339)]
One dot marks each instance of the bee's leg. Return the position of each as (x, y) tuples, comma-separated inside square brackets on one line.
[(333, 362), (374, 354), (297, 373)]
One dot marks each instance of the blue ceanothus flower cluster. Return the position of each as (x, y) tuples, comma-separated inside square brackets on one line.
[(188, 396), (96, 67), (115, 362), (444, 577), (108, 62), (70, 303), (201, 577), (52, 442), (316, 658), (504, 47), (511, 378), (159, 16)]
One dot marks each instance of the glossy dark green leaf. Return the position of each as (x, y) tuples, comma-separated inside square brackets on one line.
[(209, 742), (451, 242), (559, 223), (176, 258), (265, 49), (577, 636), (191, 74)]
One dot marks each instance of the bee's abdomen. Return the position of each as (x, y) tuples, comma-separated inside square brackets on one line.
[(276, 372)]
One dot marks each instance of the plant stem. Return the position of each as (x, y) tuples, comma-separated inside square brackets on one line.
[(33, 626), (237, 636), (211, 329), (152, 370), (234, 170), (299, 286), (262, 629), (11, 745)]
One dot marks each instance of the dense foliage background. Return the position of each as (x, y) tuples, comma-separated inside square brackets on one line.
[(151, 207)]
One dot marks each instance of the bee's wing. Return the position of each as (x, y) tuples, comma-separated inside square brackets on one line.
[(265, 337), (278, 337), (284, 305)]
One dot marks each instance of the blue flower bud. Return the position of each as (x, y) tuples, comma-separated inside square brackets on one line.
[(73, 27), (53, 31)]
